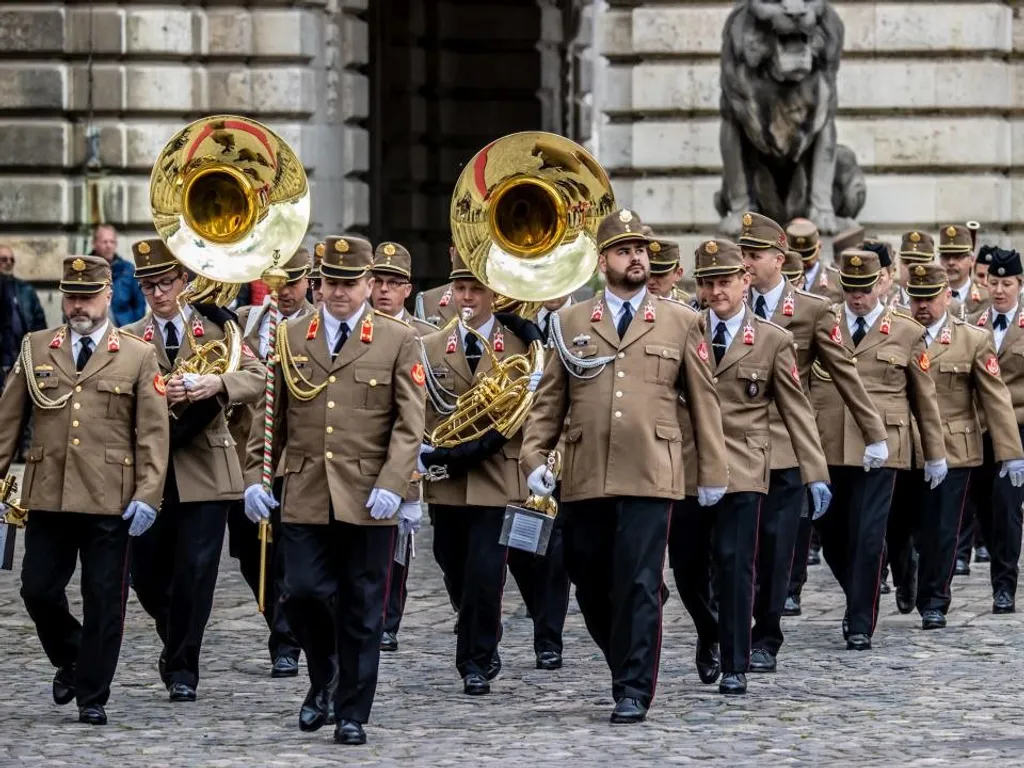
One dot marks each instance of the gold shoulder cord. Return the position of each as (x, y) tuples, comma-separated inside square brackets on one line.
[(40, 400), (299, 386)]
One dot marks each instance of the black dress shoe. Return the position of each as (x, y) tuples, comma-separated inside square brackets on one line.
[(182, 692), (1003, 602), (733, 684), (885, 589), (161, 665), (549, 660), (792, 606), (389, 642), (313, 714), (858, 643), (961, 568), (285, 666), (494, 668), (814, 556), (846, 626), (933, 619), (664, 593), (709, 663), (981, 555), (92, 715), (350, 733), (761, 660), (64, 685), (904, 600), (475, 685), (629, 711)]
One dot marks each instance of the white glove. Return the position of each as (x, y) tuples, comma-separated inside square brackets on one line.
[(410, 515), (142, 516), (383, 503), (708, 497), (541, 481), (875, 455), (821, 496), (3, 511), (424, 448), (534, 381), (935, 472), (258, 503), (1015, 469)]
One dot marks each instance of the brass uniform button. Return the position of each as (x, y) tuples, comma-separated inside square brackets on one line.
[(74, 423), (77, 406), (618, 414), (329, 455), (330, 430), (619, 393), (117, 390), (76, 441), (621, 355), (330, 403), (373, 382), (620, 374), (78, 388), (332, 378)]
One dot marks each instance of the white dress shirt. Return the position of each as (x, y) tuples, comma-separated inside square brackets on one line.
[(616, 306), (265, 330), (544, 314), (771, 299), (934, 331), (332, 326), (732, 326), (999, 333), (963, 292), (810, 275), (484, 330), (95, 336), (870, 318), (179, 326)]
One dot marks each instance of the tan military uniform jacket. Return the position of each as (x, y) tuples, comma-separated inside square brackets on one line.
[(758, 369), (107, 445), (809, 318), (208, 468), (362, 431), (965, 369), (899, 299), (241, 416), (496, 481), (976, 300), (623, 436), (890, 367), (826, 283), (1010, 355), (422, 328), (436, 306)]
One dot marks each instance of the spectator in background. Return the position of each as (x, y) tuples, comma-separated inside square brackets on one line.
[(128, 304), (25, 299), (11, 328)]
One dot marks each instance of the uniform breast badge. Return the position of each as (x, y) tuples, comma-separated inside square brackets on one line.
[(314, 326), (795, 372), (1020, 319), (649, 312), (836, 335), (983, 320), (419, 375), (499, 341), (452, 343), (702, 350), (113, 341), (946, 337), (446, 297), (597, 312), (580, 340), (366, 329), (159, 384), (992, 365), (748, 334), (923, 362), (975, 293), (753, 388), (149, 332), (788, 305), (58, 338), (197, 326), (886, 325)]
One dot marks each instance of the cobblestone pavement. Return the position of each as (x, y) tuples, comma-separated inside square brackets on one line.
[(919, 698)]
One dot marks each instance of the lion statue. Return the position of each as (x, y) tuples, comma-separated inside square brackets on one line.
[(778, 134)]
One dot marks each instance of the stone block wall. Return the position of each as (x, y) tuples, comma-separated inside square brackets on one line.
[(294, 64), (930, 97)]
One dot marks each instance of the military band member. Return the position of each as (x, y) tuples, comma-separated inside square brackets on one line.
[(965, 370), (392, 276), (956, 254), (666, 271), (348, 419), (915, 248), (981, 263), (893, 365), (93, 477), (175, 565), (997, 500), (622, 360), (545, 313), (315, 295), (437, 306), (803, 237), (810, 320), (793, 269), (468, 508), (243, 535)]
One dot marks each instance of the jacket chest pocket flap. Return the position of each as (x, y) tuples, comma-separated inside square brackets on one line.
[(954, 373), (670, 455), (662, 362), (375, 389), (753, 379), (120, 396), (894, 362)]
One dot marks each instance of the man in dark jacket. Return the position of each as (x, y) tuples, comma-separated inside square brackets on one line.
[(128, 304)]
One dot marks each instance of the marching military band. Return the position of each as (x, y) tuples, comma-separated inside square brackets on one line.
[(714, 430)]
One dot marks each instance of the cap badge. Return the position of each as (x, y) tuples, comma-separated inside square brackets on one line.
[(915, 237), (856, 261), (747, 219), (801, 240), (143, 247), (711, 247), (341, 246), (655, 247), (1000, 270), (950, 231), (389, 250), (919, 271), (625, 215), (319, 250), (78, 265)]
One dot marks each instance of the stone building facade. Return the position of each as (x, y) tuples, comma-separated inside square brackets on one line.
[(385, 99)]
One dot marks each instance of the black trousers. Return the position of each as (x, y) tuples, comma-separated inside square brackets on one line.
[(174, 572), (336, 577), (804, 534), (776, 542), (473, 562), (394, 601), (970, 531), (615, 555), (852, 536), (544, 585), (940, 516), (244, 546), (728, 532), (53, 543), (901, 529), (998, 506)]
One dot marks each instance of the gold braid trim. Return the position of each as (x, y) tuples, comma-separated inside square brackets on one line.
[(299, 386), (38, 398)]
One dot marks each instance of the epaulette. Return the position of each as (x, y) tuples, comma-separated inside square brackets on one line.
[(832, 267), (905, 316), (131, 335), (764, 321), (677, 302), (392, 318), (809, 295), (819, 372)]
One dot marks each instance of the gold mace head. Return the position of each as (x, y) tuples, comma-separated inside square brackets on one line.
[(275, 278)]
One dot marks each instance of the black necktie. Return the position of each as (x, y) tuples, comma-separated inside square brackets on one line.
[(860, 331), (625, 319), (761, 308), (1000, 322), (171, 342), (473, 352), (718, 344), (84, 353), (342, 338), (956, 294), (545, 327)]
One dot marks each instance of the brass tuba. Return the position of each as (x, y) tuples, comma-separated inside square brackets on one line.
[(524, 218), (230, 199)]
